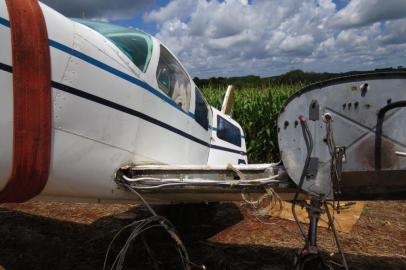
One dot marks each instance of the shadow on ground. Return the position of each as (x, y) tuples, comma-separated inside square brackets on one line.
[(34, 242)]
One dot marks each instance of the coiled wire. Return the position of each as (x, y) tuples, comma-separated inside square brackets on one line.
[(140, 226)]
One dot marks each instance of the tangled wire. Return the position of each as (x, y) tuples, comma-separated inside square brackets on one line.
[(140, 226), (264, 205)]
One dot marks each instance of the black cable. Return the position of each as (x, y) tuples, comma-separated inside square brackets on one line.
[(309, 146)]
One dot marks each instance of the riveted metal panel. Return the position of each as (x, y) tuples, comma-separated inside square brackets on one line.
[(353, 103)]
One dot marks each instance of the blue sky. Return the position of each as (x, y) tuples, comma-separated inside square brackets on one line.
[(263, 37), (138, 21)]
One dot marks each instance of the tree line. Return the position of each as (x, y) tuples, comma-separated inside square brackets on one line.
[(292, 77)]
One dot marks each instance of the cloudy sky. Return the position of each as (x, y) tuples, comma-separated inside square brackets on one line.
[(263, 37)]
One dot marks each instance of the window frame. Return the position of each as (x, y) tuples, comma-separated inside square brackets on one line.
[(203, 125), (176, 63), (115, 30)]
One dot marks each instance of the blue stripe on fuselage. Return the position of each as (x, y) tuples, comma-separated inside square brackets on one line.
[(117, 73), (4, 22), (113, 71), (119, 107)]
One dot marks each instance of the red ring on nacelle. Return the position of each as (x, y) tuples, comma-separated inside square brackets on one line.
[(32, 102)]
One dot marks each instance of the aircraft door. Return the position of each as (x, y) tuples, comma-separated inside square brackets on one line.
[(168, 140)]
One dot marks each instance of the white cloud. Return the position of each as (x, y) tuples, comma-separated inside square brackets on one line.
[(394, 33), (352, 39), (174, 9), (364, 12), (266, 37), (300, 44)]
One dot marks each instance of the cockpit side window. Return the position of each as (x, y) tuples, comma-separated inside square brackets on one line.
[(134, 44), (172, 79), (201, 110), (228, 132)]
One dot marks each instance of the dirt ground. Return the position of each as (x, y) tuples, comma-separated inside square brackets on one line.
[(222, 236)]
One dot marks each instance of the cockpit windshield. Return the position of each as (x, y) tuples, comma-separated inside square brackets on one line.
[(135, 44)]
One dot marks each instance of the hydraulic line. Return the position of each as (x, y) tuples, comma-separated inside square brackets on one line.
[(309, 146), (151, 183)]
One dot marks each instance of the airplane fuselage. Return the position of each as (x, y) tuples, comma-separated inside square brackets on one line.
[(118, 97)]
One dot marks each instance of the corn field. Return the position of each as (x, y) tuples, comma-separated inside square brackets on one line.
[(256, 109)]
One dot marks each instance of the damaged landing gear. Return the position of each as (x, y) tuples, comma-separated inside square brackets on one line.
[(309, 257)]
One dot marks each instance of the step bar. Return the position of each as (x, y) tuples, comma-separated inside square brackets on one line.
[(223, 182)]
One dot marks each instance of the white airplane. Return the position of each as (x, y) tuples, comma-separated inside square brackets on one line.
[(86, 103), (89, 108), (119, 97)]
